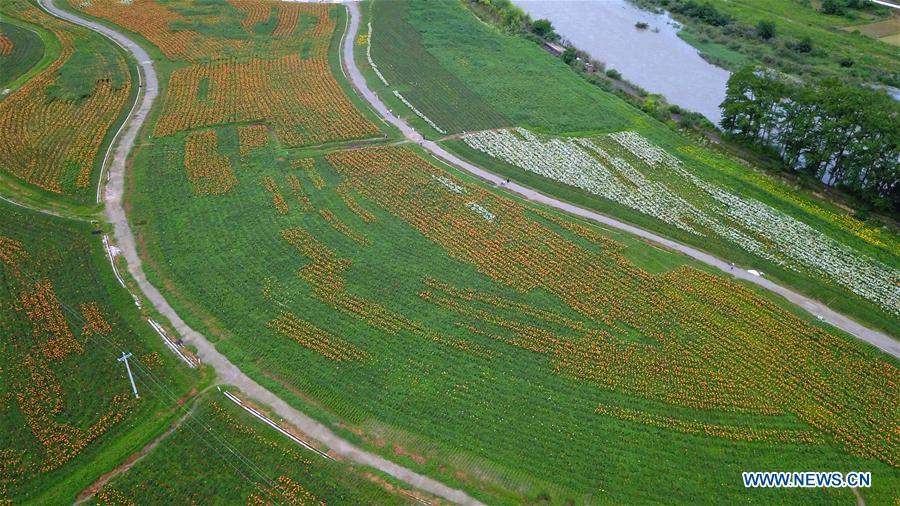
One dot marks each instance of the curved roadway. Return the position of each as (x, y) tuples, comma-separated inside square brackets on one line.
[(874, 337), (227, 372)]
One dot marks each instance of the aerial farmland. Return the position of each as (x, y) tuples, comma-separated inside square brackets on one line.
[(449, 252)]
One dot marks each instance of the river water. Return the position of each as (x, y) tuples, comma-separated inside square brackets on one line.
[(655, 58)]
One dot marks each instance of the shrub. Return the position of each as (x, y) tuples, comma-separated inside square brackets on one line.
[(765, 29)]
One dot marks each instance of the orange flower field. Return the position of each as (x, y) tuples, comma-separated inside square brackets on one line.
[(712, 343), (6, 45), (308, 165), (283, 79), (208, 170), (309, 336), (34, 364), (50, 142), (278, 201), (252, 137)]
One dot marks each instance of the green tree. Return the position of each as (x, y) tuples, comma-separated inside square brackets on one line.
[(833, 7), (544, 28), (843, 135), (765, 29), (805, 45)]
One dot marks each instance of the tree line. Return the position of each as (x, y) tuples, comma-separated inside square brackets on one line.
[(846, 136)]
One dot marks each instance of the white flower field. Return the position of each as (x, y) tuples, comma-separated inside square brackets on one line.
[(626, 168)]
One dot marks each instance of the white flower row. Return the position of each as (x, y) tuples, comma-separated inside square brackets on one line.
[(455, 188), (484, 213), (369, 57), (565, 160), (418, 112), (628, 169)]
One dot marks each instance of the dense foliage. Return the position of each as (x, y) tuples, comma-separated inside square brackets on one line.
[(844, 135), (704, 11)]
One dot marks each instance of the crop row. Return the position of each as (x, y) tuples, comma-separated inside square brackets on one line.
[(252, 137), (738, 433), (343, 191), (6, 45), (255, 12), (308, 165), (153, 20), (299, 97), (209, 171), (324, 275), (309, 336), (281, 206), (299, 193)]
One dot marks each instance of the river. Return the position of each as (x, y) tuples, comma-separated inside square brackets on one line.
[(654, 59)]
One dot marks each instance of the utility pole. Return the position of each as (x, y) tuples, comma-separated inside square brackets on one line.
[(124, 358)]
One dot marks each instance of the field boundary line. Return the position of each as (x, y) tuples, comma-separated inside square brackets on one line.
[(42, 210), (271, 423), (172, 346)]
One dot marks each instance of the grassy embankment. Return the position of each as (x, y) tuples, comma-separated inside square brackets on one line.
[(22, 48)]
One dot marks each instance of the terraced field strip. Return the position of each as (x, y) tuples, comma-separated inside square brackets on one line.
[(227, 371), (816, 308)]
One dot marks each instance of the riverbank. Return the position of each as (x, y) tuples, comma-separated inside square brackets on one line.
[(654, 57)]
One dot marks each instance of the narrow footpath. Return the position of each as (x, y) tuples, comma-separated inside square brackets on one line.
[(878, 339), (227, 372)]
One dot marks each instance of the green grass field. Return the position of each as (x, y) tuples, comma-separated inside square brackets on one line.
[(246, 463), (68, 410), (23, 52), (718, 54), (69, 414), (501, 348), (479, 79)]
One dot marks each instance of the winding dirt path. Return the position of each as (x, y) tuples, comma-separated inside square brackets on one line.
[(132, 459), (227, 372), (878, 339)]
